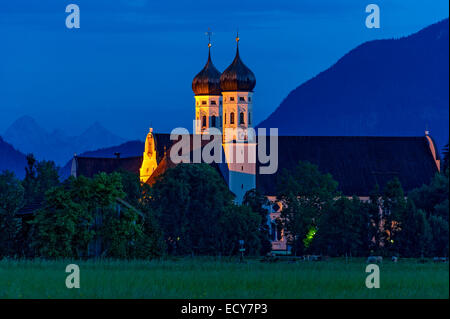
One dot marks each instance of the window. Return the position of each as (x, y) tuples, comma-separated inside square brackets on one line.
[(231, 118), (242, 99), (213, 102), (249, 119), (241, 118), (231, 98), (203, 102), (204, 121), (213, 121), (225, 118), (249, 98)]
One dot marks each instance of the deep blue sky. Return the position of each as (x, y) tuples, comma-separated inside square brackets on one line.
[(131, 63)]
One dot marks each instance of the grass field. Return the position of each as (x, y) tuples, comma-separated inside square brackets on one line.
[(207, 278)]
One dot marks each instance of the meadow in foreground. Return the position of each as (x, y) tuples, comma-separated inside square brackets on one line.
[(209, 278)]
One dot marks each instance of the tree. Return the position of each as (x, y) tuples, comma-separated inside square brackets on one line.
[(432, 201), (150, 240), (440, 235), (393, 212), (374, 207), (89, 213), (258, 203), (133, 188), (343, 229), (62, 226), (150, 243), (188, 201), (198, 216), (239, 223), (305, 195), (65, 227), (444, 166), (40, 176), (120, 231), (433, 198), (414, 237), (30, 181), (11, 200)]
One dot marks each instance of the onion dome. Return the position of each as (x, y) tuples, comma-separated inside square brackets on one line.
[(207, 81), (237, 77)]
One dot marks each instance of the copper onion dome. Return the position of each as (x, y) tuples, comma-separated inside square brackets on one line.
[(237, 77), (207, 81)]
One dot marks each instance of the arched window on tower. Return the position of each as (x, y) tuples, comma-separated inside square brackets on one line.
[(225, 119), (232, 118), (213, 121), (204, 121), (241, 118)]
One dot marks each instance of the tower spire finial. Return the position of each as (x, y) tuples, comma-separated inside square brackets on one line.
[(237, 36), (209, 34)]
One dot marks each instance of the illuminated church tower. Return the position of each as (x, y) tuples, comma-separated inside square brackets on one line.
[(225, 102), (149, 162), (208, 98), (239, 143)]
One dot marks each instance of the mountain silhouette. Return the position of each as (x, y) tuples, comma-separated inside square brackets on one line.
[(28, 136), (395, 87), (11, 159)]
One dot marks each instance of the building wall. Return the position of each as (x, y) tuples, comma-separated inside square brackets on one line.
[(207, 106)]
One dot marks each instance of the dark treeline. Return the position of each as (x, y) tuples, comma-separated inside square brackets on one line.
[(320, 220), (190, 211)]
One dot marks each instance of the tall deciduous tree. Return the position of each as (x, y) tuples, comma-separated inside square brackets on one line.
[(433, 198), (305, 194), (59, 226), (189, 200), (150, 240), (343, 230)]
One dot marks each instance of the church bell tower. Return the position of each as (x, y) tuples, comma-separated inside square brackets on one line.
[(208, 97), (239, 141)]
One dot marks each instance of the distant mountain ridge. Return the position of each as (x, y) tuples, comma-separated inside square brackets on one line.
[(11, 159), (28, 136), (395, 87)]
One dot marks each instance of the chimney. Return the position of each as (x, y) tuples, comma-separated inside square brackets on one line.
[(117, 154)]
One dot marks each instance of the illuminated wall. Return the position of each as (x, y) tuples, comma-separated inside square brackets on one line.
[(149, 162)]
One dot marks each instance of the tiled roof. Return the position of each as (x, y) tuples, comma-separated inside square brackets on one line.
[(356, 163)]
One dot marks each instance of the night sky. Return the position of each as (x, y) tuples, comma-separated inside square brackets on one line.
[(131, 63)]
